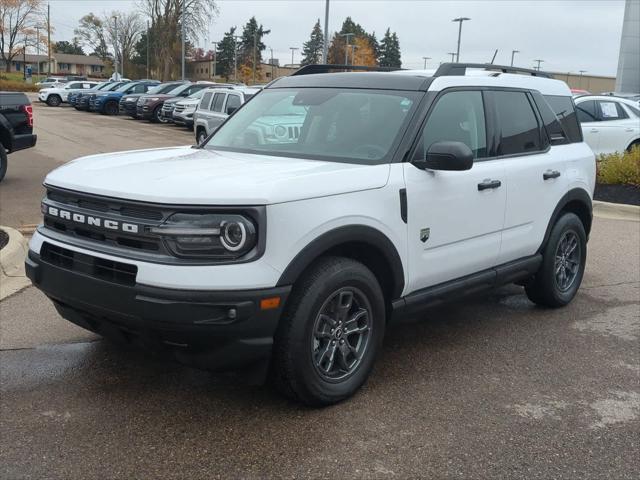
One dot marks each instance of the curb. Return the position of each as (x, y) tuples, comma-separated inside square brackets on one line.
[(616, 211), (12, 274)]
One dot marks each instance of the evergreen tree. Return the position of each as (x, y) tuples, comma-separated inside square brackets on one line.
[(225, 54), (312, 50), (252, 34), (390, 50)]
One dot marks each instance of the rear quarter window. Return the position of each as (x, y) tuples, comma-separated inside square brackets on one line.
[(564, 109)]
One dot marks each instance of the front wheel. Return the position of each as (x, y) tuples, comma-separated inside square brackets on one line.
[(201, 137), (330, 333), (3, 162), (111, 108), (563, 262)]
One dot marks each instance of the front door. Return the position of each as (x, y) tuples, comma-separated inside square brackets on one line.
[(455, 218)]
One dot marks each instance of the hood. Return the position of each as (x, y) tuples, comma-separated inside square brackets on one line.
[(174, 99), (161, 96), (188, 101), (190, 176)]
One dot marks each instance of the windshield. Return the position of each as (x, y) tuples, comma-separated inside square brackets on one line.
[(354, 126), (102, 86), (112, 87), (179, 89), (196, 95)]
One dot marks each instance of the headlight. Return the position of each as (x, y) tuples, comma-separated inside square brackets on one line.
[(153, 99), (130, 100), (219, 236)]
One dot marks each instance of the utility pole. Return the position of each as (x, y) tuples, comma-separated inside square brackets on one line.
[(453, 56), (24, 59), (184, 36), (513, 54), (215, 58), (115, 47), (255, 54), (539, 62), (346, 49), (272, 65), (325, 46), (459, 20), (38, 50), (148, 33), (425, 61), (293, 49), (49, 37)]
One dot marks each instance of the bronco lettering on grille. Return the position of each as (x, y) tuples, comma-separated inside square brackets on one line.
[(91, 220)]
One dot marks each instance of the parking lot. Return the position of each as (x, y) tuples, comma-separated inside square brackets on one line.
[(489, 387)]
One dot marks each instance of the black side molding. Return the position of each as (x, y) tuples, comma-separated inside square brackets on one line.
[(403, 204), (474, 283)]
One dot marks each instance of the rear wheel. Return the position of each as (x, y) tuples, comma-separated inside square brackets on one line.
[(54, 100), (111, 108), (563, 263), (330, 333), (3, 162)]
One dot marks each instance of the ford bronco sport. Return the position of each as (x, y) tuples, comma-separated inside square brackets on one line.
[(402, 189)]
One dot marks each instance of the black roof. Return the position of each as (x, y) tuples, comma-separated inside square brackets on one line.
[(374, 80)]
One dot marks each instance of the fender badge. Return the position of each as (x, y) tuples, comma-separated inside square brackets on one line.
[(424, 234)]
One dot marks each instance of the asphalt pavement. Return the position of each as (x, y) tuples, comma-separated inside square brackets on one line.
[(487, 387)]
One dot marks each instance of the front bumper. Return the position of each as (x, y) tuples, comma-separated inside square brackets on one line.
[(128, 108), (217, 330)]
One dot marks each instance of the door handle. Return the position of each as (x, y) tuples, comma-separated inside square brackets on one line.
[(550, 174), (594, 130), (488, 183), (629, 130)]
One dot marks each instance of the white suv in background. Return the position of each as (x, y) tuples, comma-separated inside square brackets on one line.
[(54, 96), (291, 254), (214, 108), (609, 124)]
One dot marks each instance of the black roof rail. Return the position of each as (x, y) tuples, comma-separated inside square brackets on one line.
[(325, 68), (460, 69)]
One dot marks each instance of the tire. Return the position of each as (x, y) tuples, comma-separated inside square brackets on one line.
[(201, 136), (3, 162), (155, 116), (110, 108), (565, 253), (331, 365), (634, 144), (54, 100)]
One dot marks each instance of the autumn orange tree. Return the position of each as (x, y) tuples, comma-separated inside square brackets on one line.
[(18, 19), (361, 48)]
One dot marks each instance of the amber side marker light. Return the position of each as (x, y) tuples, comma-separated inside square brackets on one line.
[(269, 303)]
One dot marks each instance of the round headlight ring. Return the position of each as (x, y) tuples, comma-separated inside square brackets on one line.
[(227, 241)]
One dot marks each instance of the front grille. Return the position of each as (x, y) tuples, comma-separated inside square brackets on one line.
[(294, 132), (100, 268), (179, 108), (77, 200)]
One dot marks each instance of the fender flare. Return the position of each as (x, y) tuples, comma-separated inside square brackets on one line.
[(575, 195), (349, 234)]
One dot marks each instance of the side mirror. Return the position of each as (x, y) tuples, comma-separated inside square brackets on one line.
[(230, 110), (447, 155)]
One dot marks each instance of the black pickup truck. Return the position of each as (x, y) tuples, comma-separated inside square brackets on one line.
[(16, 126)]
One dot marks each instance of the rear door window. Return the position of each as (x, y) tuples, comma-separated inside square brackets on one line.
[(587, 111), (218, 102), (233, 101), (518, 128), (564, 109)]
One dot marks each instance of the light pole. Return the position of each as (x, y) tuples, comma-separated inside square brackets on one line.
[(325, 46), (346, 49), (453, 56), (459, 20), (183, 32), (215, 58), (425, 61), (115, 40), (148, 33), (235, 57), (271, 50), (539, 62), (293, 49), (353, 54), (581, 73), (38, 49), (513, 54)]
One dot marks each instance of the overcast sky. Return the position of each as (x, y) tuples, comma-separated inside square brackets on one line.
[(568, 35)]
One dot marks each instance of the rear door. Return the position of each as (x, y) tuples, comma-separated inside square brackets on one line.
[(616, 127), (535, 170), (216, 115), (455, 218), (590, 122)]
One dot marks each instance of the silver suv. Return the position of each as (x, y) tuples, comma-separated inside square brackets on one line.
[(214, 108)]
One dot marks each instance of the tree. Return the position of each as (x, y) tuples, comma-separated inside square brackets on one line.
[(91, 32), (165, 16), (129, 27), (19, 19), (339, 52), (251, 46), (225, 54), (312, 50), (67, 47), (390, 50), (364, 54)]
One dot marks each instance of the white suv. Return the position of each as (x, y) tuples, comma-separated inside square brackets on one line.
[(214, 108), (54, 96), (400, 191)]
